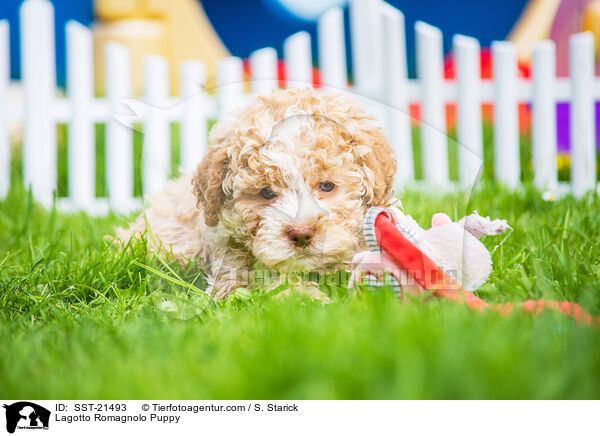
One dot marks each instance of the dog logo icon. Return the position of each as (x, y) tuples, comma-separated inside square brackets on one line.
[(26, 415)]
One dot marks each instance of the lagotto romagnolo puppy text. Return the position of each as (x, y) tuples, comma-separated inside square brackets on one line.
[(285, 184)]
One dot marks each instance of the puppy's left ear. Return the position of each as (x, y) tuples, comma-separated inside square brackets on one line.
[(378, 160)]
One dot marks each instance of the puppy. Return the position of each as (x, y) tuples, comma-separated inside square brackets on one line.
[(285, 184)]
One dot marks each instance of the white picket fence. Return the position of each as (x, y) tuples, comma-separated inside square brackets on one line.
[(380, 79)]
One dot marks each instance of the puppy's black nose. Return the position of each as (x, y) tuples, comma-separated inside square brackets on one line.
[(301, 236)]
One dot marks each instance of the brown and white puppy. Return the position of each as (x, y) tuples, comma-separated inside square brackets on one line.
[(285, 184)]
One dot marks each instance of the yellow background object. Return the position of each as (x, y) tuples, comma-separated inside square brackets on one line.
[(590, 21), (176, 29), (533, 25)]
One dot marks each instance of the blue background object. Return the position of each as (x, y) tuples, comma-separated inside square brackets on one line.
[(64, 10), (247, 25)]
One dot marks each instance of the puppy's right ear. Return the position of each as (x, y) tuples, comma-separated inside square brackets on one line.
[(208, 183)]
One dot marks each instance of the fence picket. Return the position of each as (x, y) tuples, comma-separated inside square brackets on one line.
[(4, 131), (469, 129), (396, 93), (581, 122), (433, 126), (366, 38), (39, 87), (157, 138), (298, 60), (194, 124), (263, 67), (80, 86), (119, 145), (332, 49), (231, 85), (381, 82), (506, 128), (544, 115)]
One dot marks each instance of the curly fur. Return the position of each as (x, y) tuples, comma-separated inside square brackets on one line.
[(291, 141)]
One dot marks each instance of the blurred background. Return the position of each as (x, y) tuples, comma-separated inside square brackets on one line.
[(225, 33), (213, 29)]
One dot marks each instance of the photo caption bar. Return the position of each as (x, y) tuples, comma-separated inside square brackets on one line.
[(68, 417)]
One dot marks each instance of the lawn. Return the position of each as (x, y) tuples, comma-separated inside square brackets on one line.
[(82, 318)]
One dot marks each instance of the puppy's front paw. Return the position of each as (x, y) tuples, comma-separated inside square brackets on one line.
[(314, 293), (296, 285), (222, 289)]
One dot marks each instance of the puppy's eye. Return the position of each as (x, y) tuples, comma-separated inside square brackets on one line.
[(267, 193), (326, 186)]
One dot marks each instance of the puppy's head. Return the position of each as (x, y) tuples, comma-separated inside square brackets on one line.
[(291, 176)]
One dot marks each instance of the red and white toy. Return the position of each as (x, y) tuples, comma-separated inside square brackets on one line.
[(448, 259), (453, 247)]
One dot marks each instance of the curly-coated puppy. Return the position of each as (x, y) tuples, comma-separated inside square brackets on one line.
[(285, 184)]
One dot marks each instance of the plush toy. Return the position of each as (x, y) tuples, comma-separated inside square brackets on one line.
[(448, 260), (455, 247)]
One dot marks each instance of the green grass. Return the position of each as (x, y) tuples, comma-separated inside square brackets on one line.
[(80, 318), (83, 318)]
